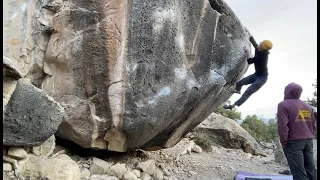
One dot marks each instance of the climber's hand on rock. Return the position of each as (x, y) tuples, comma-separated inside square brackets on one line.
[(246, 50), (246, 29)]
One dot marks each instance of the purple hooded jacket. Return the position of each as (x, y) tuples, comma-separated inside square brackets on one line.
[(295, 118)]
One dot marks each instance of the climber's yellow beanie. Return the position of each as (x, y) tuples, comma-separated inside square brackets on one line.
[(266, 45)]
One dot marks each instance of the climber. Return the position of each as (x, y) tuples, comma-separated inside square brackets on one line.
[(259, 78)]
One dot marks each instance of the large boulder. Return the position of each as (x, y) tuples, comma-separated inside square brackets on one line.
[(279, 156), (130, 74), (30, 116), (229, 134)]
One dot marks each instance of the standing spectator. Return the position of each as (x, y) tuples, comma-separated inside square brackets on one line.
[(296, 128)]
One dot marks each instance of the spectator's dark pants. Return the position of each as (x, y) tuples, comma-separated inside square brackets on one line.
[(299, 154), (256, 83)]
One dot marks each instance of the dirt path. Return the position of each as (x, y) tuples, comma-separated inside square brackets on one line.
[(219, 164), (223, 163)]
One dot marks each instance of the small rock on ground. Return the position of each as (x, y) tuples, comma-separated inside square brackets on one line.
[(145, 176), (99, 166), (147, 166), (7, 167), (17, 153), (85, 173)]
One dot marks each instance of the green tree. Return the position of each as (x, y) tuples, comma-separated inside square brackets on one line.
[(313, 101), (256, 128), (273, 130), (232, 114)]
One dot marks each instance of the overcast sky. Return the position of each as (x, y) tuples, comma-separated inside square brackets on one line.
[(292, 27)]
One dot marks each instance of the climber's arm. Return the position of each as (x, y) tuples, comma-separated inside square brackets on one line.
[(253, 41)]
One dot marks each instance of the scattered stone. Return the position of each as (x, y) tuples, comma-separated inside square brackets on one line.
[(215, 150), (103, 177), (62, 167), (86, 165), (247, 156), (75, 158), (166, 172), (17, 153), (85, 173), (14, 162), (196, 149), (136, 172), (134, 161), (44, 178), (5, 176), (157, 174), (169, 160), (117, 170), (27, 149), (45, 149), (99, 166), (162, 166), (60, 148), (7, 167), (11, 174), (129, 176), (58, 153), (188, 148), (147, 166), (175, 170), (232, 168), (256, 158), (267, 162), (145, 176), (4, 151)]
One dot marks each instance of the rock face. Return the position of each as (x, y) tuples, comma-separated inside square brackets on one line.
[(230, 134), (30, 117), (130, 74), (279, 156), (10, 69)]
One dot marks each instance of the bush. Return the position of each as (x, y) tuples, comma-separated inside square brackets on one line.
[(203, 140)]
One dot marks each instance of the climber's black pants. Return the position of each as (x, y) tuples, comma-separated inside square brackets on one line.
[(256, 83), (299, 154)]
